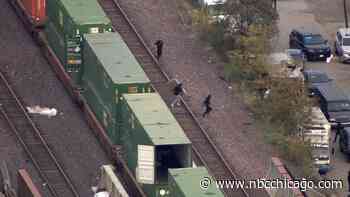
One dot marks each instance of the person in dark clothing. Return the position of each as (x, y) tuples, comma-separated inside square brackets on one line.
[(207, 106), (338, 130), (159, 45), (323, 171), (178, 90)]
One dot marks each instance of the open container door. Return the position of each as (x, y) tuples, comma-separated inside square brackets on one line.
[(145, 164)]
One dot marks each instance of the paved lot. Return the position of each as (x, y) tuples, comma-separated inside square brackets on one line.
[(325, 17)]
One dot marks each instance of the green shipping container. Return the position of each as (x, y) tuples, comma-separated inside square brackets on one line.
[(69, 21), (152, 141), (185, 182), (110, 70)]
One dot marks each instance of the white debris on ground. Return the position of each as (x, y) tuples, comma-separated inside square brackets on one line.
[(296, 73), (50, 112), (329, 59), (102, 194), (277, 58), (267, 93), (94, 189)]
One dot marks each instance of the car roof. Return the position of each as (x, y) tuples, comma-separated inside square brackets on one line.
[(345, 32), (331, 92)]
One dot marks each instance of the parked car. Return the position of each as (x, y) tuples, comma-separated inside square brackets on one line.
[(314, 46), (334, 104), (344, 141), (342, 44), (314, 78)]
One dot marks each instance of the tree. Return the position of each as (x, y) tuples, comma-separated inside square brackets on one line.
[(249, 57), (287, 105), (243, 13)]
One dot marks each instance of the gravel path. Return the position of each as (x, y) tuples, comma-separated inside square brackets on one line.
[(187, 59), (68, 134)]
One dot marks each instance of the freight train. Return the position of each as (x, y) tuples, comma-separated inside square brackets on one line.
[(112, 83)]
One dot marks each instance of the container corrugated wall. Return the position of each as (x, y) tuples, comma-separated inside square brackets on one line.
[(71, 32)]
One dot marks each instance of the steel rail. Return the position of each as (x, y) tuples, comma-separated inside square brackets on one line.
[(210, 164), (14, 125)]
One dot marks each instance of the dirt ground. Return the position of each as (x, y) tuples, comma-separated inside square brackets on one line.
[(187, 59)]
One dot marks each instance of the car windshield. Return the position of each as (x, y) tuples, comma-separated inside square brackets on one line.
[(318, 78), (216, 9), (313, 39), (346, 42), (339, 106)]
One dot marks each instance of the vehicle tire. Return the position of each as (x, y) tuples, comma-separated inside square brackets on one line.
[(308, 59), (291, 46), (336, 50), (1, 185)]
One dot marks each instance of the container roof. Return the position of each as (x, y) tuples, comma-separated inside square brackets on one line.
[(116, 58), (157, 120), (188, 180), (85, 11)]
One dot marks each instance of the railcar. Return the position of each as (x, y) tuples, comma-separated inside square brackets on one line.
[(114, 86), (68, 21), (189, 182), (110, 70), (36, 10), (110, 183), (152, 141)]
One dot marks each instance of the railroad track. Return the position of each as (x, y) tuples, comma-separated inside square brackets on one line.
[(205, 151), (34, 144)]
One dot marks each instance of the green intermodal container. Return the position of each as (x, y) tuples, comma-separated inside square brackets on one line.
[(110, 69), (69, 21), (189, 182), (153, 141)]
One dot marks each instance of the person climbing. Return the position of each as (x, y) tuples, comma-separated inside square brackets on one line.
[(207, 106), (159, 45)]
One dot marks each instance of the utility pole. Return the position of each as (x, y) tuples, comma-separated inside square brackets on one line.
[(345, 14)]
